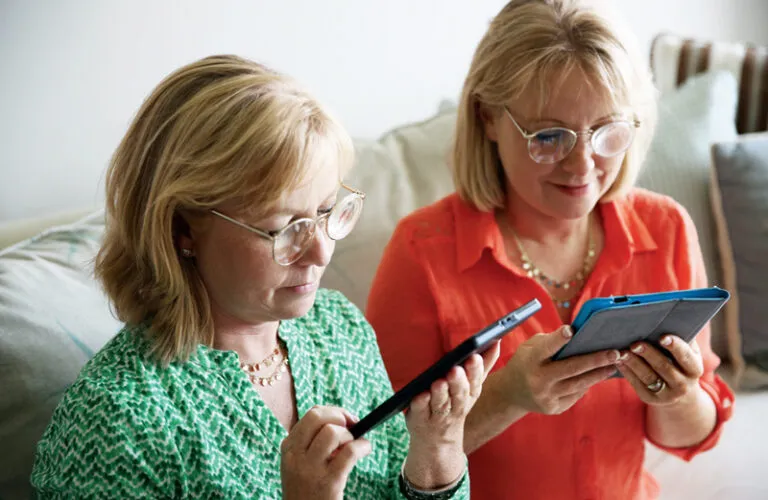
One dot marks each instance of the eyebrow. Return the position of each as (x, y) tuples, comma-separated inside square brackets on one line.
[(296, 211), (547, 120)]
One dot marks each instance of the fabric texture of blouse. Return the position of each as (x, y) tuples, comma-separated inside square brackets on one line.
[(128, 428), (445, 275)]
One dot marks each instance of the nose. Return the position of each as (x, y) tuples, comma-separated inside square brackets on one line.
[(581, 158), (320, 249)]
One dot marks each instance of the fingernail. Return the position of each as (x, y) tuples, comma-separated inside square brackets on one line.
[(667, 341), (638, 349), (614, 356), (567, 332), (624, 357)]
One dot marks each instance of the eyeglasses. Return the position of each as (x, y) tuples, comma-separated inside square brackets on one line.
[(550, 145), (292, 241)]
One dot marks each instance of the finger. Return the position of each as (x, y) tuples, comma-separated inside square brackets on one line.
[(637, 384), (660, 364), (327, 440), (581, 383), (309, 425), (489, 357), (566, 402), (476, 373), (688, 356), (420, 404), (458, 387), (440, 398), (347, 456), (553, 342), (641, 369), (576, 365)]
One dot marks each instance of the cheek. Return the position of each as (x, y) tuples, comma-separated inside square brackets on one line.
[(518, 165), (609, 169)]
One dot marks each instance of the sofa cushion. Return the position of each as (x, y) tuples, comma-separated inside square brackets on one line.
[(740, 203), (53, 317)]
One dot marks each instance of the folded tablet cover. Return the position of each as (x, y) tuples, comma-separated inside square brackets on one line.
[(618, 322)]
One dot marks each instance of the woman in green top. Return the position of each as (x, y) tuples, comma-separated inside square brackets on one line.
[(235, 376)]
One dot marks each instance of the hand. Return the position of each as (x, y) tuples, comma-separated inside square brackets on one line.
[(538, 384), (435, 420), (657, 380), (319, 453)]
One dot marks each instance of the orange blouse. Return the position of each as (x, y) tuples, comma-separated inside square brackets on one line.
[(445, 275)]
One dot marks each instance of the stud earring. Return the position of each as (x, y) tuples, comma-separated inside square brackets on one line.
[(186, 252)]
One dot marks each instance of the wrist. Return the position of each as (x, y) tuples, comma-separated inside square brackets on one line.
[(432, 487), (435, 468)]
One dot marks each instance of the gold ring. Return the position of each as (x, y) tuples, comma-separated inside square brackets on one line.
[(656, 386), (444, 411)]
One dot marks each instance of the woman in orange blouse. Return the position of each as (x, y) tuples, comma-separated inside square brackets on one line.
[(554, 121)]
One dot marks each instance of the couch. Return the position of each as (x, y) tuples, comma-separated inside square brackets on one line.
[(53, 315)]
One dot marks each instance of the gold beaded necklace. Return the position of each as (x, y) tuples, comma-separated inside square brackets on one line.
[(575, 283), (250, 369)]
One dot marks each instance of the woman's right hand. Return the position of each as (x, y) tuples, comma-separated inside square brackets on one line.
[(538, 384), (319, 453)]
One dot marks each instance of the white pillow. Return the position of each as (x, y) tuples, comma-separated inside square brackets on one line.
[(405, 169), (698, 114), (53, 318)]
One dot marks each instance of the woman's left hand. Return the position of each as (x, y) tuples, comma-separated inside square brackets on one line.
[(657, 380), (435, 421)]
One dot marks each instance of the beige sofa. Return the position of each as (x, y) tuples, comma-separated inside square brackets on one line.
[(53, 316)]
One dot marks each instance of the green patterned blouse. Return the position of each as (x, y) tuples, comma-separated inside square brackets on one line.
[(128, 428)]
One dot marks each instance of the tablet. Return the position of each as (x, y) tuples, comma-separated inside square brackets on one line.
[(618, 322), (475, 344)]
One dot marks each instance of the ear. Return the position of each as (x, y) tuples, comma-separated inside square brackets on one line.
[(183, 235), (490, 119)]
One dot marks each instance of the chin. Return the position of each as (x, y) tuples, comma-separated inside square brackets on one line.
[(297, 307)]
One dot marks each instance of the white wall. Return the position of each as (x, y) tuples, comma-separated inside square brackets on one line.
[(73, 72)]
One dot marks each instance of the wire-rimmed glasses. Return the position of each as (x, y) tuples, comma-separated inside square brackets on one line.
[(292, 241), (552, 144)]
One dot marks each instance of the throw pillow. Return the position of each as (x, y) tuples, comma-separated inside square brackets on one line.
[(740, 203), (53, 318), (404, 170)]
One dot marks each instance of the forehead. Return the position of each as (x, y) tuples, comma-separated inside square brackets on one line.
[(570, 96)]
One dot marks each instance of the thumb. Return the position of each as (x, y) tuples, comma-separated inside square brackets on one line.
[(555, 341)]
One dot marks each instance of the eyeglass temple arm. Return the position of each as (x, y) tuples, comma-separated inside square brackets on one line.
[(243, 225), (352, 190)]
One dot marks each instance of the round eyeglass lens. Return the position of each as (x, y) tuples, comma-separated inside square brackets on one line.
[(344, 216)]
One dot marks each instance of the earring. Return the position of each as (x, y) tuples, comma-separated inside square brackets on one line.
[(186, 252)]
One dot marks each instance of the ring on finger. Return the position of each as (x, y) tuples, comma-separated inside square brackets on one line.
[(442, 411), (656, 386)]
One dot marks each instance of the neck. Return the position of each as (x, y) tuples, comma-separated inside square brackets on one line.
[(252, 342), (542, 229)]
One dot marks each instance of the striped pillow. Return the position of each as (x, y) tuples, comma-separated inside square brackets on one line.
[(674, 59)]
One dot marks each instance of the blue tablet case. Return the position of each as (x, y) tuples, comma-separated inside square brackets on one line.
[(618, 322)]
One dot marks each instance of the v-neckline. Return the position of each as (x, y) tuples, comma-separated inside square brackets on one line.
[(299, 350)]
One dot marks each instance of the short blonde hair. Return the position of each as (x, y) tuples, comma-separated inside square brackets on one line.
[(529, 45), (222, 129)]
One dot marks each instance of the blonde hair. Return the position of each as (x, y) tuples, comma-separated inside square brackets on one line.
[(534, 44), (222, 129)]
